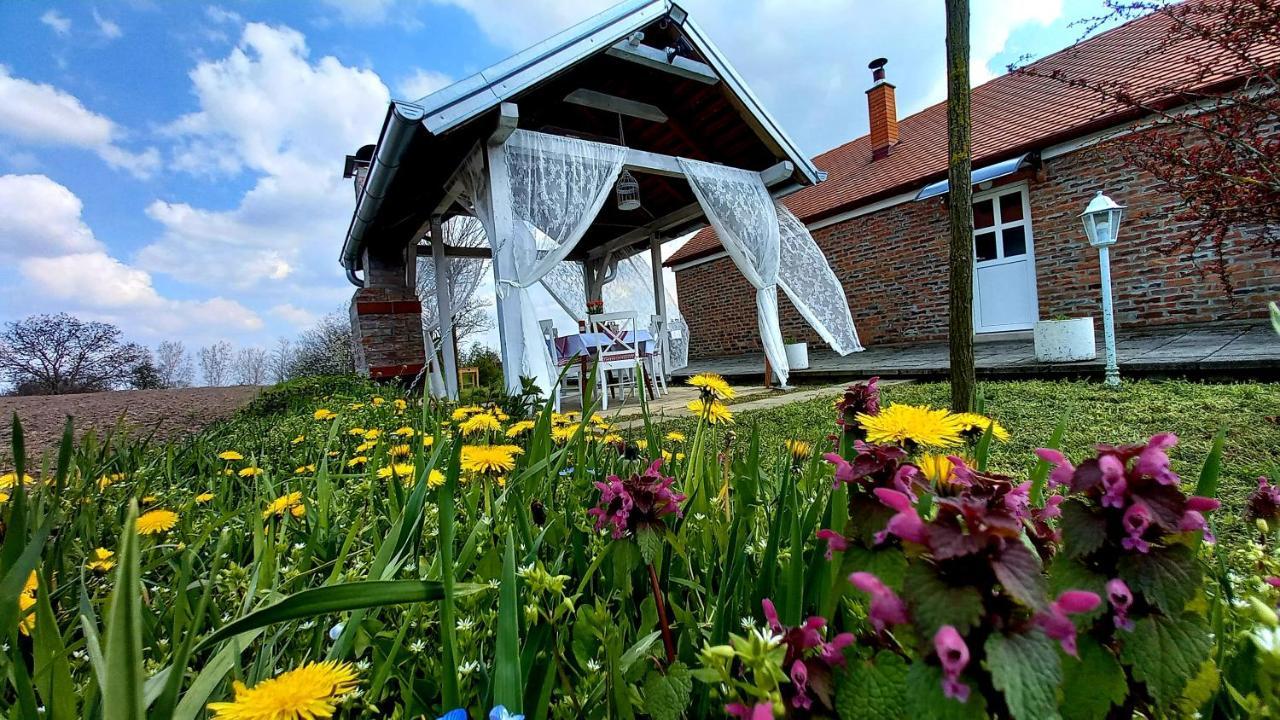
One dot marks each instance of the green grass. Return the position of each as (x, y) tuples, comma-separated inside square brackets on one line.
[(1137, 410)]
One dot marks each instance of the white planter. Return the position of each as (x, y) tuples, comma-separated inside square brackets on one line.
[(1065, 340), (798, 356)]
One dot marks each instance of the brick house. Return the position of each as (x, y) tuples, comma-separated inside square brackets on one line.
[(1041, 149)]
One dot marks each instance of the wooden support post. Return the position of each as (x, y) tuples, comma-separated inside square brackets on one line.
[(768, 373), (510, 321), (444, 309), (659, 301)]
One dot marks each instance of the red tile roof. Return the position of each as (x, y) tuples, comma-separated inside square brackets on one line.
[(1012, 114)]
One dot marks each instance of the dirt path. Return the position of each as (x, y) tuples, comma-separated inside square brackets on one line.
[(166, 412)]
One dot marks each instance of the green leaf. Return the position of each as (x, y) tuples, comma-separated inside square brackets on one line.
[(1092, 684), (650, 542), (924, 698), (506, 684), (1040, 474), (1168, 577), (1067, 574), (53, 671), (1207, 486), (1025, 667), (1166, 652), (934, 603), (1083, 530), (1020, 572), (122, 694), (666, 696), (872, 689), (333, 599), (887, 563)]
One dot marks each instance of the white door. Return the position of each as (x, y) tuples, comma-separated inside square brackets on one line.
[(1004, 277)]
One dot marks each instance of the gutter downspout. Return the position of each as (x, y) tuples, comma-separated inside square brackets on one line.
[(397, 131)]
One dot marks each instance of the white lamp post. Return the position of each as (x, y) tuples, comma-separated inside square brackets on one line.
[(1102, 224)]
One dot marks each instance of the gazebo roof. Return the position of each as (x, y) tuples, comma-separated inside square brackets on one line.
[(641, 74)]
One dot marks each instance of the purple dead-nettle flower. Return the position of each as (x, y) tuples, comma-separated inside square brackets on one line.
[(1121, 599), (1274, 581), (1018, 501), (1062, 470), (1154, 463), (961, 474), (1056, 623), (886, 607), (1136, 520), (637, 502), (1052, 507), (810, 658), (873, 464), (905, 480), (1193, 517), (835, 541), (759, 711), (1113, 480), (1264, 503), (953, 653), (857, 398), (906, 524)]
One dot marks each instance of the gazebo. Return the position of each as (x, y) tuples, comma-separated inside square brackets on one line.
[(598, 144)]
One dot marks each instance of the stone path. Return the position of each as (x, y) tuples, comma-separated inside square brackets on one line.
[(1235, 350)]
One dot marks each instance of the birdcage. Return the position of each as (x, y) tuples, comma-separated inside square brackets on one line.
[(628, 191)]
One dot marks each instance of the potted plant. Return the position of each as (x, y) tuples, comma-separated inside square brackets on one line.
[(1064, 339), (797, 354), (595, 307)]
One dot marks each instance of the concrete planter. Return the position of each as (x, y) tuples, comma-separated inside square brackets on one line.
[(798, 356), (1069, 340)]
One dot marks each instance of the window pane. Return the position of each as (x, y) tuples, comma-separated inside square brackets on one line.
[(984, 246), (1011, 207), (1015, 241), (983, 214)]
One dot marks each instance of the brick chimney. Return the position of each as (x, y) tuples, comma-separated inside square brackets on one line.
[(882, 111)]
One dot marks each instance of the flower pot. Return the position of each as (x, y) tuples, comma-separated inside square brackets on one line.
[(798, 355), (1068, 340)]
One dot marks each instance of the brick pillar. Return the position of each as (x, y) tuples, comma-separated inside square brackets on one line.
[(386, 318)]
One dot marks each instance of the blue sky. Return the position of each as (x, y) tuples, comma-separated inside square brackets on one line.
[(175, 167)]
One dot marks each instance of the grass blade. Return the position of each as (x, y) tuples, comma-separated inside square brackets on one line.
[(1040, 474), (1207, 486), (52, 671), (507, 662), (122, 692)]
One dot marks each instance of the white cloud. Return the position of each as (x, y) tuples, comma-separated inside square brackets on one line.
[(361, 12), (220, 14), (42, 114), (109, 28), (61, 24), (60, 262), (294, 315), (421, 84)]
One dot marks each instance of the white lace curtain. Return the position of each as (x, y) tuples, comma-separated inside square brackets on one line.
[(742, 212), (803, 273), (557, 186)]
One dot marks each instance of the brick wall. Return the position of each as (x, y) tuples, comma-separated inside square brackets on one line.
[(386, 326), (893, 264)]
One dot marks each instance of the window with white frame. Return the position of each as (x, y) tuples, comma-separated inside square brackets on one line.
[(1001, 226)]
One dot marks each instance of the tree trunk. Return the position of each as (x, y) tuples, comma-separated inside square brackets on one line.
[(960, 206)]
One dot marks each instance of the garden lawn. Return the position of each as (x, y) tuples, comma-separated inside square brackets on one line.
[(1030, 410)]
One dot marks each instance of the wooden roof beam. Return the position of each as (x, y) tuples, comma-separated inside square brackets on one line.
[(652, 57)]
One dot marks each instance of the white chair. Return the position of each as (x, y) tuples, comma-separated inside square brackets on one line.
[(656, 361), (614, 336), (549, 335)]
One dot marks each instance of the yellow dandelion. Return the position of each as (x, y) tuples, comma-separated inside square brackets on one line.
[(398, 451), (799, 450), (435, 479), (366, 446), (405, 432), (249, 472), (715, 411), (230, 455), (4, 497), (148, 499), (27, 599), (977, 424), (428, 440), (156, 522), (679, 456), (304, 469), (478, 423), (357, 461), (400, 470), (378, 401), (8, 480), (497, 412), (399, 404), (305, 693), (324, 414), (298, 440), (642, 444), (204, 497), (914, 424), (488, 458), (282, 505), (565, 433), (101, 561), (666, 456), (598, 420), (464, 412), (936, 468), (298, 510), (357, 431), (713, 385), (611, 438), (107, 481), (519, 428), (356, 406), (675, 436), (373, 434)]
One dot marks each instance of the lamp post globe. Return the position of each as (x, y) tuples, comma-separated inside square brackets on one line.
[(1101, 219)]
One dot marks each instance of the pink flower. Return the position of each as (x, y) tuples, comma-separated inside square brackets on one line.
[(1121, 599), (1264, 503), (886, 607), (1051, 507), (1274, 581), (1056, 623), (1136, 520), (808, 653), (954, 656), (1113, 481), (906, 524), (1153, 462), (1193, 517), (636, 502), (1062, 470), (759, 711), (835, 541)]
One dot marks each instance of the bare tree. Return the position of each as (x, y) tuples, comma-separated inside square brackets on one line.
[(960, 207), (470, 310), (325, 349), (281, 360), (173, 365), (215, 363), (55, 354), (251, 366)]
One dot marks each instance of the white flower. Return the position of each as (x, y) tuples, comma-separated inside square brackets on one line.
[(417, 646), (593, 665), (465, 624), (335, 631), (1267, 639), (468, 667)]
